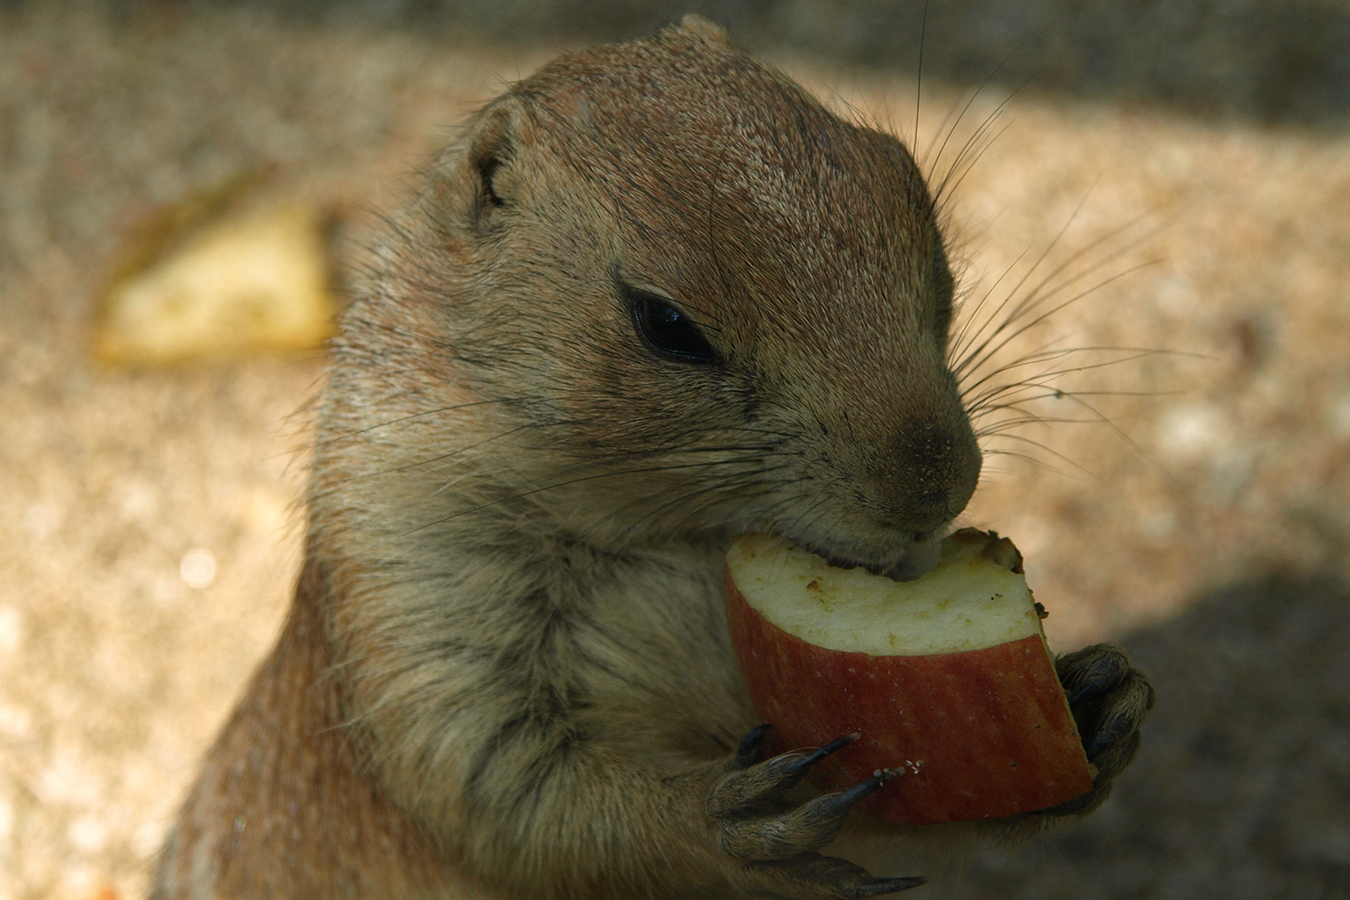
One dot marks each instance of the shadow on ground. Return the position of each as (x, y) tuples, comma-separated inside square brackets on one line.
[(1269, 60), (1243, 785)]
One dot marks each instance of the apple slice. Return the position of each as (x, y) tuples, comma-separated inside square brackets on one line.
[(947, 679)]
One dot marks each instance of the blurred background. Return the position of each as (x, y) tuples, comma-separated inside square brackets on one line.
[(1183, 166)]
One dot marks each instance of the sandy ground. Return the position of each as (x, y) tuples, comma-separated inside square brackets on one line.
[(1206, 524)]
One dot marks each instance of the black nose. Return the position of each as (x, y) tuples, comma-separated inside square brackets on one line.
[(932, 474)]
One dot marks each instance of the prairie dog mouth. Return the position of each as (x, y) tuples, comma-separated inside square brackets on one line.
[(920, 557)]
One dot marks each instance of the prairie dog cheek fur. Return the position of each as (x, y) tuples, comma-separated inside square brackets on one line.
[(655, 296)]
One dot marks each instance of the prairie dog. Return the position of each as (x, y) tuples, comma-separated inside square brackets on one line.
[(655, 296)]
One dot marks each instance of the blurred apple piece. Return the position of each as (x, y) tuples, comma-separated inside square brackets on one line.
[(219, 275)]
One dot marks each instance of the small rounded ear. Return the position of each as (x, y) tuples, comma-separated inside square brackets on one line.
[(493, 149), (706, 29)]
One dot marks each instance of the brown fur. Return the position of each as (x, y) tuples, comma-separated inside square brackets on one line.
[(507, 671), (281, 808)]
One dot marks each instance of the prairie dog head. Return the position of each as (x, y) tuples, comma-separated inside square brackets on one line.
[(657, 291)]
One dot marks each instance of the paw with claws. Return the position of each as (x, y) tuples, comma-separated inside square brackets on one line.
[(1109, 699), (775, 842)]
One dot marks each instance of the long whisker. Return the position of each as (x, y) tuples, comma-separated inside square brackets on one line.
[(918, 81), (991, 348), (1001, 321), (1043, 379), (1025, 457), (1042, 447), (960, 340), (940, 192), (1043, 292)]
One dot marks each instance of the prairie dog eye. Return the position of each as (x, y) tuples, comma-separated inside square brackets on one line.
[(664, 328)]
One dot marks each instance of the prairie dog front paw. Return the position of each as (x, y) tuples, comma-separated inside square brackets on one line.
[(773, 843), (1110, 700)]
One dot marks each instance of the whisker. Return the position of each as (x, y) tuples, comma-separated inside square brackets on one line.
[(1028, 458), (1042, 291), (1042, 317), (998, 319), (733, 485), (940, 192), (819, 498), (332, 439), (918, 81), (960, 340), (955, 177), (1006, 426), (1040, 445), (1026, 416), (1053, 355), (565, 483)]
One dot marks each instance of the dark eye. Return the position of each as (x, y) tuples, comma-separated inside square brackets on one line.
[(665, 329)]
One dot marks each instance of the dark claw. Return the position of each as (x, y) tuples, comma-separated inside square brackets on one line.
[(759, 786), (878, 886), (844, 800), (1101, 684), (1110, 734), (747, 754), (1089, 691), (800, 767), (776, 842), (1095, 678)]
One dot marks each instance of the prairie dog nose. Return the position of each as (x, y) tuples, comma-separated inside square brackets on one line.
[(932, 474)]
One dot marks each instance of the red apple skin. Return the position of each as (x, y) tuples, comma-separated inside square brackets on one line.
[(976, 735)]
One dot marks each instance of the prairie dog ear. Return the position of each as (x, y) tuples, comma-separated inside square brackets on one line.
[(708, 30), (495, 149)]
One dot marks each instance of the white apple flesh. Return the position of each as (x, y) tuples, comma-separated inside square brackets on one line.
[(947, 678)]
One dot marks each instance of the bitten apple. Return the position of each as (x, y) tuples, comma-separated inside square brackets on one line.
[(947, 678)]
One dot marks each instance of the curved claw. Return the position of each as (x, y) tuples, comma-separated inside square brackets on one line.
[(879, 886), (811, 876), (774, 843), (799, 830), (1110, 733), (842, 801), (747, 753), (806, 762), (760, 787)]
